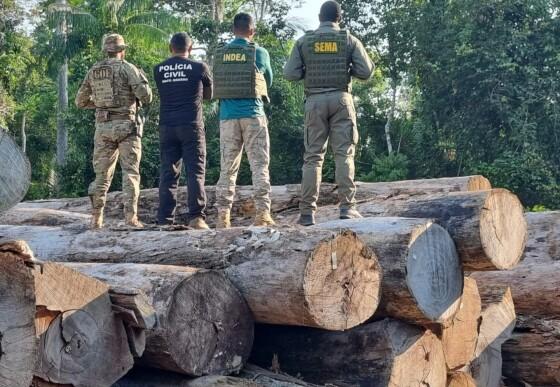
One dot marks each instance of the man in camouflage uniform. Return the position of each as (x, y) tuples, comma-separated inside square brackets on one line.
[(326, 59), (242, 75), (115, 89)]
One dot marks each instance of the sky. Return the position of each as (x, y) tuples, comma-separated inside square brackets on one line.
[(308, 13)]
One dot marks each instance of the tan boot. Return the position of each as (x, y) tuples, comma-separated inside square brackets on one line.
[(224, 219), (198, 223), (263, 218), (97, 220), (132, 221)]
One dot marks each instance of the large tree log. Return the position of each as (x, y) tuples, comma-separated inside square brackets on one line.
[(204, 325), (83, 343), (533, 353), (250, 376), (18, 347), (488, 227), (422, 275), (535, 291), (459, 337), (292, 276), (385, 353), (498, 322), (283, 198), (15, 175)]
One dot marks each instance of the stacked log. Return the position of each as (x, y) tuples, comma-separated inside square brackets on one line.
[(283, 198), (313, 291), (384, 353)]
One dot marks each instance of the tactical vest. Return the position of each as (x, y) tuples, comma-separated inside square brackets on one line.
[(236, 74), (326, 59), (109, 88)]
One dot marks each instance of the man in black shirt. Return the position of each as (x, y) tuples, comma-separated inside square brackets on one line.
[(183, 84)]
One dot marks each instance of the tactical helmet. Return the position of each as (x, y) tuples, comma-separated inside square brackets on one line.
[(113, 43)]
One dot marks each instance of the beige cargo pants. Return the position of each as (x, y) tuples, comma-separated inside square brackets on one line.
[(251, 133), (329, 117), (115, 140)]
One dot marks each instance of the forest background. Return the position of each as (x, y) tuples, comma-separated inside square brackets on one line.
[(461, 87)]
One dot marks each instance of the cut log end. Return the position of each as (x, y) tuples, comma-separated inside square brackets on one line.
[(478, 183), (225, 327), (434, 274), (503, 229), (17, 312), (460, 379), (342, 282)]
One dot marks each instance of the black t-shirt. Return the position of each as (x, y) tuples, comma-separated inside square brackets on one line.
[(181, 83)]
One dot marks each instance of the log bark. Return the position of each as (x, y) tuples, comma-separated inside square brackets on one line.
[(535, 291), (83, 343), (319, 278), (460, 379), (33, 216), (422, 275), (18, 346), (533, 353), (460, 336), (250, 376), (384, 353), (283, 198), (203, 325), (496, 327), (488, 227)]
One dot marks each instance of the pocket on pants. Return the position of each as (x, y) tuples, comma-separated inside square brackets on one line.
[(347, 104)]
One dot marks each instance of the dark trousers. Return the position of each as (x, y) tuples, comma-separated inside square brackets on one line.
[(189, 145)]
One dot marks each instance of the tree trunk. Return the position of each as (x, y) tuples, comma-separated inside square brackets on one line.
[(291, 276), (460, 336), (390, 116), (250, 376), (33, 216), (284, 198), (533, 353), (535, 291), (460, 379), (18, 346), (496, 327), (81, 339), (488, 227), (204, 325), (422, 275), (385, 353), (22, 132), (61, 130)]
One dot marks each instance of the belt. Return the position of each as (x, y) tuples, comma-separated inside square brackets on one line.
[(105, 116)]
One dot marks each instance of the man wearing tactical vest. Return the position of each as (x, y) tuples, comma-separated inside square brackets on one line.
[(326, 59), (115, 89), (242, 75)]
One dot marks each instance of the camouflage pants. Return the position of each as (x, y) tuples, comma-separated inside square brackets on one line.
[(329, 117), (253, 134), (115, 140)]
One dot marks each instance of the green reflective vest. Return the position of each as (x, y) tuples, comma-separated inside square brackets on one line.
[(236, 74), (326, 60)]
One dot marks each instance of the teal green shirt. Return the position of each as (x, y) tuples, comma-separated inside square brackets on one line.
[(231, 109)]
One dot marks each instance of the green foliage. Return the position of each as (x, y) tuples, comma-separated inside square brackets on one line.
[(390, 167)]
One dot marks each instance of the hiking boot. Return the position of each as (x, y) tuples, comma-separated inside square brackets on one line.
[(97, 220), (132, 221), (223, 220), (306, 219), (198, 223), (263, 218), (349, 213)]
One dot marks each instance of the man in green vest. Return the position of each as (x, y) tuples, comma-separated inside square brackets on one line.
[(327, 59), (242, 75)]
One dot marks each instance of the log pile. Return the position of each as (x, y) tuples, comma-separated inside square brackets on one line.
[(416, 293)]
